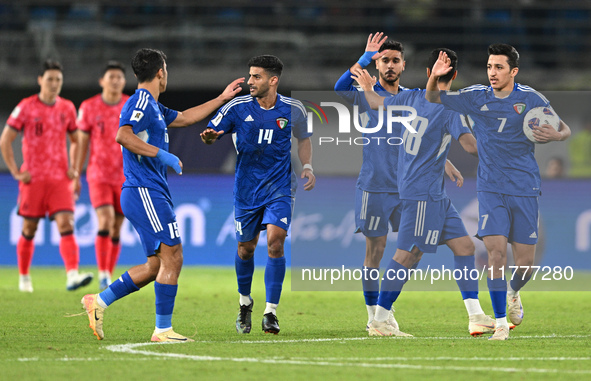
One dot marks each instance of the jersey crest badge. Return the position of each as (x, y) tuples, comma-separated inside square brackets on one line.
[(519, 108), (281, 122)]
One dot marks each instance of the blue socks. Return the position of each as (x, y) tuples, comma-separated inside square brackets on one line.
[(498, 295), (371, 286), (118, 289), (392, 284), (518, 282), (274, 276), (468, 286), (244, 271), (165, 296)]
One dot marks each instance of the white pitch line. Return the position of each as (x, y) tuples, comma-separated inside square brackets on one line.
[(385, 338), (130, 349), (442, 358)]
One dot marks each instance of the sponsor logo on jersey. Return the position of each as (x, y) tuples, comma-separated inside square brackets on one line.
[(484, 108), (215, 121), (519, 108), (533, 235), (282, 122), (137, 115), (249, 118), (15, 112), (284, 220)]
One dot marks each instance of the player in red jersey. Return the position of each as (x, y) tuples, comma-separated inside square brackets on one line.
[(46, 182), (98, 121)]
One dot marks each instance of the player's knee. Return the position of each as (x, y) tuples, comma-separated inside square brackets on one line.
[(246, 251), (275, 249)]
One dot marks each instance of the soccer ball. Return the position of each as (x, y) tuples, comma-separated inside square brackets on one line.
[(536, 117)]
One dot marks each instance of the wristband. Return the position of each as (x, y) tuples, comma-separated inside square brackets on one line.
[(170, 160), (308, 166), (365, 59)]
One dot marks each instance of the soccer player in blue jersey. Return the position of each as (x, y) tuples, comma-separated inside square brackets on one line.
[(508, 181), (428, 217), (145, 198), (262, 125), (377, 202)]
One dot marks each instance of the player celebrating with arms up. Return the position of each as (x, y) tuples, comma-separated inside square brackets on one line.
[(145, 198), (262, 124), (45, 178), (98, 121), (508, 181)]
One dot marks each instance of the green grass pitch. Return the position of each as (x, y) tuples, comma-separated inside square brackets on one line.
[(322, 335)]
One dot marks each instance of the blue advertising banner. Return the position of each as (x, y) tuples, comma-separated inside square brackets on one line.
[(322, 226)]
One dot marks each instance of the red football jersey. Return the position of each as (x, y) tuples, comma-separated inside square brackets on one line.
[(45, 128), (101, 121)]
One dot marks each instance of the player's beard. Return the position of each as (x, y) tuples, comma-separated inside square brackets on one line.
[(390, 80)]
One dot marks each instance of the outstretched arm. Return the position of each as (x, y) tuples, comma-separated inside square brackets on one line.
[(442, 67), (198, 113), (305, 155), (367, 82)]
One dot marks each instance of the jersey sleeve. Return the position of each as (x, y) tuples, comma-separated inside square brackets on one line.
[(169, 115), (457, 125), (223, 120), (82, 119), (18, 116), (135, 118), (299, 120), (346, 89), (71, 110), (462, 101)]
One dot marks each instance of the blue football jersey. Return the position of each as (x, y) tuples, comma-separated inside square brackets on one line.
[(506, 157), (149, 120), (421, 161), (378, 169), (263, 143)]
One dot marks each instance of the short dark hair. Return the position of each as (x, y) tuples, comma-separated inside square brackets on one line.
[(454, 62), (146, 63), (113, 65), (50, 64), (392, 45), (271, 64), (505, 50)]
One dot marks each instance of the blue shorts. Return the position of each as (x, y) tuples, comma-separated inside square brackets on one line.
[(515, 217), (250, 222), (427, 224), (374, 210), (150, 212)]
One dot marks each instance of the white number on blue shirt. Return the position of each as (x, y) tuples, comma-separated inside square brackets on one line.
[(265, 135), (503, 121), (412, 142)]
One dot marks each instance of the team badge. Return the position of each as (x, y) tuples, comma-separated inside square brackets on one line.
[(281, 122), (519, 108)]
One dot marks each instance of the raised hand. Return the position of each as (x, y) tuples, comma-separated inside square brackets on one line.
[(232, 89), (442, 66), (374, 43), (364, 79), (209, 135)]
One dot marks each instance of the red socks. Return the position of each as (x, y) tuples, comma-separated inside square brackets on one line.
[(24, 254), (69, 251)]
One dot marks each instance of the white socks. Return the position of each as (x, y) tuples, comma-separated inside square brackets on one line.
[(503, 322), (270, 307), (473, 307), (244, 300), (381, 314)]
